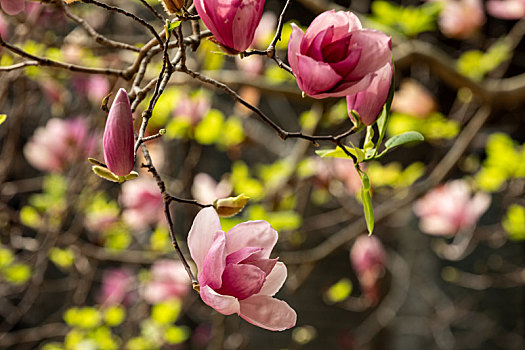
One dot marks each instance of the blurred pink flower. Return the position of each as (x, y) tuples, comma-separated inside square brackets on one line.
[(450, 208), (336, 57), (94, 87), (118, 136), (369, 102), (265, 30), (506, 9), (142, 202), (251, 65), (461, 18), (206, 190), (59, 144), (235, 272), (13, 7), (328, 169), (4, 28), (233, 23), (116, 286), (168, 280), (413, 99), (368, 259), (192, 108)]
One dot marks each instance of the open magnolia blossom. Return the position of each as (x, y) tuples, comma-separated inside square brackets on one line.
[(336, 56), (236, 274)]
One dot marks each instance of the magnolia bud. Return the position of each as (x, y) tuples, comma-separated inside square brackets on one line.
[(119, 139), (230, 206), (173, 6)]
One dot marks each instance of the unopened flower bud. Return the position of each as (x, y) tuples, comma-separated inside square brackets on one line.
[(173, 6), (118, 136), (230, 206)]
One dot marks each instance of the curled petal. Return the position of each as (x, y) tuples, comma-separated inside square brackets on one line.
[(342, 21), (242, 254), (316, 77), (375, 52), (225, 304), (274, 280), (214, 263), (241, 281), (294, 45), (267, 312), (202, 234), (252, 234)]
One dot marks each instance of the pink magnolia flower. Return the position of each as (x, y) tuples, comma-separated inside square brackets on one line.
[(168, 280), (206, 190), (368, 260), (118, 136), (232, 22), (335, 56), (94, 87), (450, 208), (506, 9), (413, 99), (236, 274), (192, 108), (142, 202), (13, 7), (461, 18), (59, 144), (116, 286), (369, 102)]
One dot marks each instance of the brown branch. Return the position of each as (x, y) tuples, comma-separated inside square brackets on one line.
[(99, 38), (51, 63)]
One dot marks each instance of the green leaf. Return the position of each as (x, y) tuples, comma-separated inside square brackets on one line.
[(210, 129), (404, 138), (339, 291), (17, 273), (338, 153), (514, 222), (3, 117), (62, 257), (173, 25), (176, 335), (166, 312), (367, 201), (114, 315)]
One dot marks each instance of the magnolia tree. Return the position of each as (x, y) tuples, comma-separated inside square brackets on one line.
[(260, 169)]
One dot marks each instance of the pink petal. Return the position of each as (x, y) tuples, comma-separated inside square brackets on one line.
[(252, 234), (369, 103), (315, 49), (202, 234), (266, 265), (348, 88), (294, 45), (375, 52), (267, 312), (214, 263), (506, 9), (274, 280), (225, 304), (337, 50), (13, 7), (241, 280), (242, 254), (315, 77), (245, 23), (349, 63), (342, 21)]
